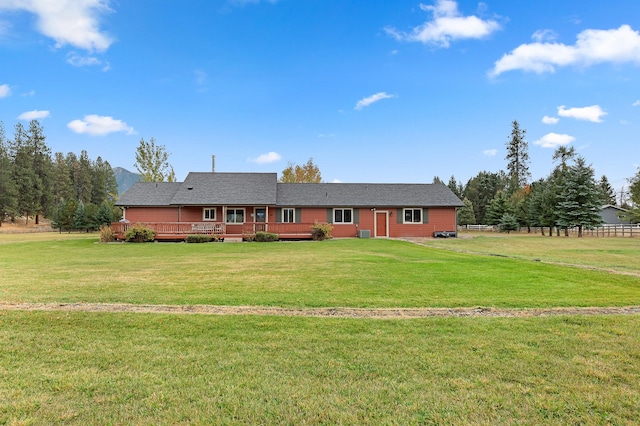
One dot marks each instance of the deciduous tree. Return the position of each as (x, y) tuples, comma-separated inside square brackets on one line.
[(152, 162), (307, 173)]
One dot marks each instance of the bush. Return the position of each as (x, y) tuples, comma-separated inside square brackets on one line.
[(199, 238), (266, 237), (106, 234), (139, 234), (321, 231)]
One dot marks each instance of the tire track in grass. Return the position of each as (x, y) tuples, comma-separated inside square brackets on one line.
[(330, 312)]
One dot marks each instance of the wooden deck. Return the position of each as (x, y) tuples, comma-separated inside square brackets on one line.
[(178, 231)]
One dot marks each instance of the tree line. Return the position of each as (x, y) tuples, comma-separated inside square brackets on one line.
[(569, 197), (74, 191)]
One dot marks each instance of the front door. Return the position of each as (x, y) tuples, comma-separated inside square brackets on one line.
[(260, 219), (382, 224)]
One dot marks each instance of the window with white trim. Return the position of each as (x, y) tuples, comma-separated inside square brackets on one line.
[(209, 213), (412, 216), (288, 215), (235, 215), (342, 215)]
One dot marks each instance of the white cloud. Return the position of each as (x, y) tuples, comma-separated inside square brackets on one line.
[(554, 140), (72, 22), (550, 120), (490, 152), (5, 90), (336, 181), (98, 125), (86, 61), (544, 35), (373, 99), (201, 77), (636, 103), (591, 113), (270, 157), (447, 25), (592, 47), (33, 115)]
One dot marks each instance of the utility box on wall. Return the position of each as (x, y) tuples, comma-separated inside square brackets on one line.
[(364, 233)]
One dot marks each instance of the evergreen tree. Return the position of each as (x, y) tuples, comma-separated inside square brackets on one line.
[(82, 178), (498, 207), (481, 189), (62, 187), (111, 182), (24, 175), (607, 193), (633, 213), (465, 214), (8, 194), (42, 168), (455, 187), (580, 199), (436, 179), (517, 159), (79, 217), (63, 216), (508, 223)]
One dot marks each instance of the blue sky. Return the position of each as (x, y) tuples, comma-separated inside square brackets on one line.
[(374, 91)]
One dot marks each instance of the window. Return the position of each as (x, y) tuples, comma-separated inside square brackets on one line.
[(342, 215), (412, 216), (209, 213), (289, 215), (235, 215)]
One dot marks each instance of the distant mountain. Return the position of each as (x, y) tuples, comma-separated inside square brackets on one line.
[(125, 178)]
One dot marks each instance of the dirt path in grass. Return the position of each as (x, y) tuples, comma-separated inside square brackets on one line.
[(379, 313)]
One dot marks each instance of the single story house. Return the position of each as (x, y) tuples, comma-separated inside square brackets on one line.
[(610, 215), (234, 205)]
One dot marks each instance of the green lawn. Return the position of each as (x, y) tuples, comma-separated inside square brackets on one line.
[(350, 273), (616, 253), (117, 368), (81, 368)]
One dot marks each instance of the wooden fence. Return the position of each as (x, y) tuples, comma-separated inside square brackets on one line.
[(600, 231)]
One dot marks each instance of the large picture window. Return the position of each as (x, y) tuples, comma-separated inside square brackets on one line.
[(235, 215), (209, 213), (342, 215), (412, 215), (288, 215)]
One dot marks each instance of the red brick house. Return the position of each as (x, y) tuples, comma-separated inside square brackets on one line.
[(234, 205)]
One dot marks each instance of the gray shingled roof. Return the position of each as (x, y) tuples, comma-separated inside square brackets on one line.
[(366, 195), (230, 189), (149, 194), (207, 188)]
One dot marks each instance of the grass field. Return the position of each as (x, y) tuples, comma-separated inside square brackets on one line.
[(108, 368), (351, 273)]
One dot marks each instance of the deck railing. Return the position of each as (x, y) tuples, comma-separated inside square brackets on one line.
[(167, 230)]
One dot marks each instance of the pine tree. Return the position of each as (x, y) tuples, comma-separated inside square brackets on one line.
[(79, 217), (8, 194), (24, 175), (580, 200), (498, 207), (465, 214), (63, 187), (508, 223), (455, 187), (517, 159), (42, 168), (607, 192)]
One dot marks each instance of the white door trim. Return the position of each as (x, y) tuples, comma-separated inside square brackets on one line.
[(375, 223)]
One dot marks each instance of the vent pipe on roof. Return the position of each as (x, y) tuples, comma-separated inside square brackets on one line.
[(213, 164)]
